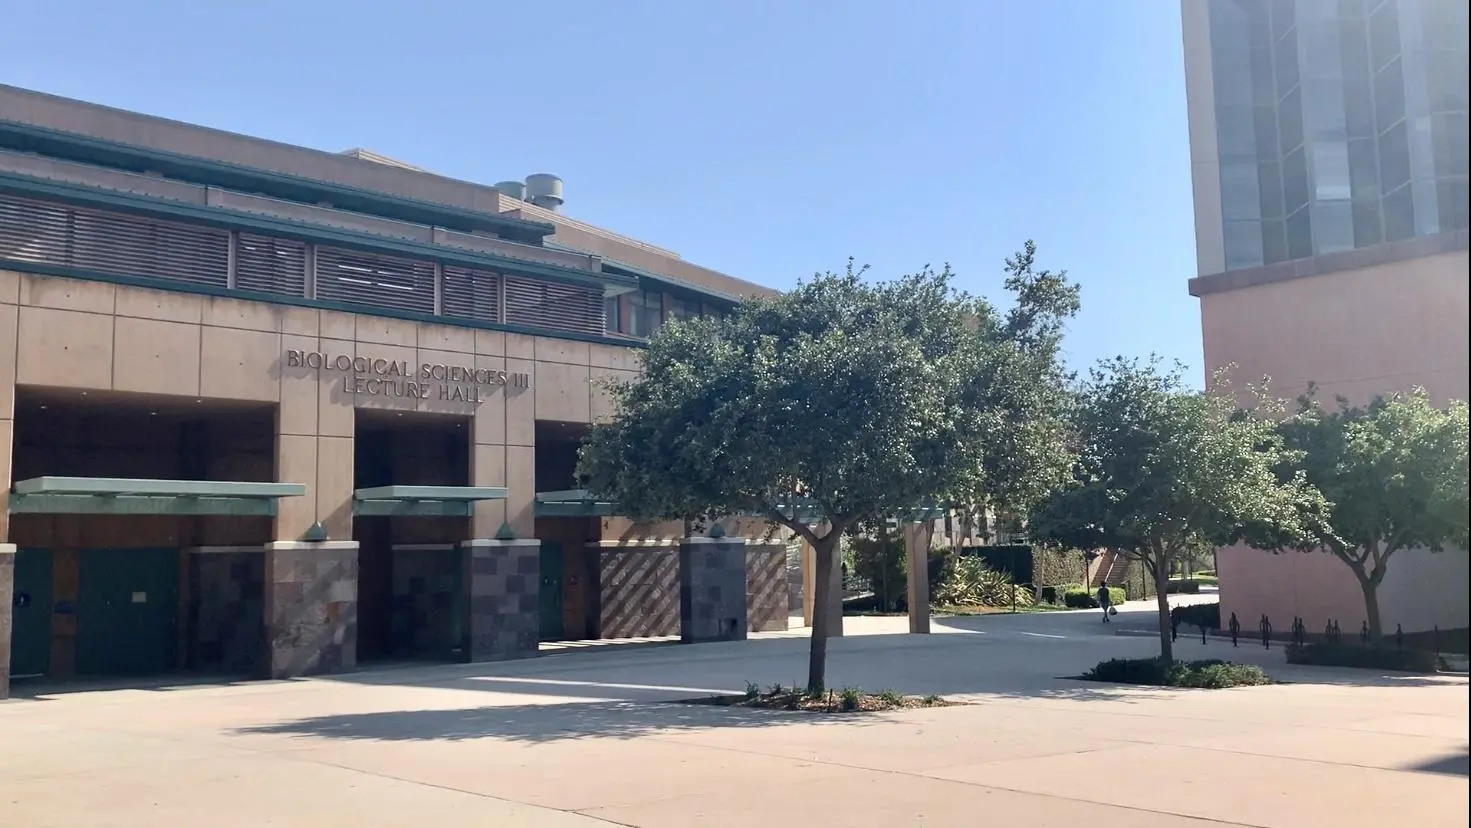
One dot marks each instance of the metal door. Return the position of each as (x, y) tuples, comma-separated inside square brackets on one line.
[(127, 611), (30, 631), (551, 591)]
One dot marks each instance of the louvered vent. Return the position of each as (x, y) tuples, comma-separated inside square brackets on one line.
[(266, 264), (375, 280), (554, 306), (57, 234), (471, 294)]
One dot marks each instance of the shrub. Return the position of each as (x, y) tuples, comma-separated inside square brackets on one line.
[(880, 564), (849, 698), (1183, 587), (1372, 657), (752, 690), (1208, 674), (972, 583), (1081, 597), (1207, 616), (892, 698)]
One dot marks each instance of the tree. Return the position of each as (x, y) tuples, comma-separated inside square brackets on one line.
[(841, 402), (1162, 469), (1394, 474)]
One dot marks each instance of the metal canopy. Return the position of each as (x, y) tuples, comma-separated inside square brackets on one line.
[(573, 503), (422, 501), (131, 496)]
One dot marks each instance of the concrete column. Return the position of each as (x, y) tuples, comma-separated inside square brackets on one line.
[(488, 464), (712, 589), (809, 582), (917, 553), (311, 607), (502, 581), (7, 602)]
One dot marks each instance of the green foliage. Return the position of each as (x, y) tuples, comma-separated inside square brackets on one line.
[(970, 583), (1078, 596), (1200, 616), (862, 398), (892, 698), (1209, 674), (1394, 474), (1373, 657), (752, 689), (881, 562), (1056, 566), (1162, 469), (1183, 587), (849, 698)]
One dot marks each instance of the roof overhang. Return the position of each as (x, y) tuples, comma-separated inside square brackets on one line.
[(135, 496), (422, 501), (573, 503)]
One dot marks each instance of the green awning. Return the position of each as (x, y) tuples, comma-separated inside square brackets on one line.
[(573, 503), (135, 496), (422, 501)]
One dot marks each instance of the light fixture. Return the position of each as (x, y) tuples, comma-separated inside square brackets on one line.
[(316, 533)]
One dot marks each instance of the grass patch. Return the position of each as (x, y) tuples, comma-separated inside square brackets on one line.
[(847, 700), (1375, 657), (1211, 674)]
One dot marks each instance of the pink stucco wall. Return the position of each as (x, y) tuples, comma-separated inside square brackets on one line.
[(1356, 333)]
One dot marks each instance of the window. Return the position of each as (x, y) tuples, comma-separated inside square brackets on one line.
[(1294, 180), (1240, 197), (1331, 172), (1289, 121), (1448, 141), (612, 315), (1384, 43), (1399, 214), (1452, 194), (1285, 60), (1299, 235), (1394, 158), (1389, 95), (645, 312), (683, 308), (1363, 169), (1274, 241), (1243, 242), (1333, 227), (1367, 227)]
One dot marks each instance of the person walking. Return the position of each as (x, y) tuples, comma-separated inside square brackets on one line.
[(1106, 601)]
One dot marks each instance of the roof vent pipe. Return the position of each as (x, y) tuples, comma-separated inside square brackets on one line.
[(513, 189), (545, 191)]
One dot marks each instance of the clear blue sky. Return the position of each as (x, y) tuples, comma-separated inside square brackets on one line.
[(768, 139)]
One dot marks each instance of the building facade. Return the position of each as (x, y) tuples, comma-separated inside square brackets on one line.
[(267, 410), (1328, 145)]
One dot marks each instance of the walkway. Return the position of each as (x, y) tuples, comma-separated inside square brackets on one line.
[(583, 739)]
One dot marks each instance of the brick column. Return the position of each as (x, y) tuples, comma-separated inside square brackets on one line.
[(502, 581), (712, 589), (7, 602), (311, 607)]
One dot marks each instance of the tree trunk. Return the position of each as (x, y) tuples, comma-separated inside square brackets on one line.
[(822, 612), (1371, 607), (1162, 597)]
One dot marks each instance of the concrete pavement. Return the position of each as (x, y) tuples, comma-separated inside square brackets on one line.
[(585, 738)]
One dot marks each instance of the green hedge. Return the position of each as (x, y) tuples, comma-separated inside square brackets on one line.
[(1197, 615), (1080, 597), (1183, 587), (1374, 657), (1211, 673)]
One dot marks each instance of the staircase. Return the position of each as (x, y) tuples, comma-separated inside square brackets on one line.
[(1113, 570)]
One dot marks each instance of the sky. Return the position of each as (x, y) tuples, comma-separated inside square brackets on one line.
[(767, 139)]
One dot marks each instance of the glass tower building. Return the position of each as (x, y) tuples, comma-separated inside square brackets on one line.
[(1338, 124)]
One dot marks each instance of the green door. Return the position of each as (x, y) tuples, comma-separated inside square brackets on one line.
[(127, 611), (551, 591), (30, 631)]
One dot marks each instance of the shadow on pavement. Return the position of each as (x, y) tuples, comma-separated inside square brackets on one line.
[(1450, 765)]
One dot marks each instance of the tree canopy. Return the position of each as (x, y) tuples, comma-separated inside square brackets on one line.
[(1394, 476), (862, 398), (1162, 469)]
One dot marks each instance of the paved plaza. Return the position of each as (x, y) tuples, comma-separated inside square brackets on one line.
[(584, 738)]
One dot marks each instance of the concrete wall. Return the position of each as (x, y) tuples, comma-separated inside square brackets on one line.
[(1356, 333)]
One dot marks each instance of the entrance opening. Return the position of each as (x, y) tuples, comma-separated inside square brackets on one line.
[(111, 581), (570, 583), (410, 572)]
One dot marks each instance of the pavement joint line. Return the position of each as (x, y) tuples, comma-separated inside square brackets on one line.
[(451, 788), (928, 778)]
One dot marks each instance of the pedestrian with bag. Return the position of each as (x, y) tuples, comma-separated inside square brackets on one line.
[(1106, 602)]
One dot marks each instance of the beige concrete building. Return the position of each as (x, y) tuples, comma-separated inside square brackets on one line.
[(1328, 144), (270, 410)]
